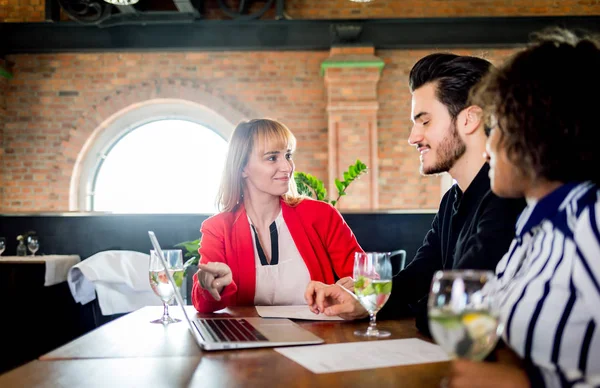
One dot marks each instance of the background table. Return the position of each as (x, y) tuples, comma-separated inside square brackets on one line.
[(56, 266), (29, 305)]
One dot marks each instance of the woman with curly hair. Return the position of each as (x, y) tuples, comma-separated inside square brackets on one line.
[(543, 147)]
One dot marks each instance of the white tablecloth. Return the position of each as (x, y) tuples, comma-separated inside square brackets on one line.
[(57, 266)]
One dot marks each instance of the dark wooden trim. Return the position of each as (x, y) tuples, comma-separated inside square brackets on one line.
[(52, 11), (126, 9), (185, 6), (139, 34)]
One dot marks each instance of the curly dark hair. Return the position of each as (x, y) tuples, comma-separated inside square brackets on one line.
[(455, 76), (537, 100)]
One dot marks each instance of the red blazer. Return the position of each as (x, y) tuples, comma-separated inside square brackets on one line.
[(321, 235)]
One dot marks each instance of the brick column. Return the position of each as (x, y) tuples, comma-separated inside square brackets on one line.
[(351, 77), (5, 75)]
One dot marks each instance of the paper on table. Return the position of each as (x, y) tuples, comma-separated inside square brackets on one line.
[(293, 312), (364, 355)]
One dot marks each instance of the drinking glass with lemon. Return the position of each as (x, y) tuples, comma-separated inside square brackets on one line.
[(463, 318)]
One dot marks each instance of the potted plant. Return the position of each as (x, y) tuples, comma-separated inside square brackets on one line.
[(190, 252), (309, 185), (190, 249)]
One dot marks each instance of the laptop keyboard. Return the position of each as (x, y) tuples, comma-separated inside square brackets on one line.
[(231, 330)]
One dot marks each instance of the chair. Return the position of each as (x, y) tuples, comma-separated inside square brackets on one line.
[(402, 254)]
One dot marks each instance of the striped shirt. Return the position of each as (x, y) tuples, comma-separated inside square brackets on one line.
[(549, 288)]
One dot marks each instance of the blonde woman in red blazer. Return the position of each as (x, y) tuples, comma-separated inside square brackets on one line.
[(262, 216)]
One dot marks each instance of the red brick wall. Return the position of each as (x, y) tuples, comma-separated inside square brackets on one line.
[(21, 10), (46, 129), (321, 9), (33, 10)]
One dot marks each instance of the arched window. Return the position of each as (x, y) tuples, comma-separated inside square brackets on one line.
[(166, 156), (166, 166)]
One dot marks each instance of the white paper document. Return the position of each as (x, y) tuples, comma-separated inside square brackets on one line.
[(364, 355), (293, 312)]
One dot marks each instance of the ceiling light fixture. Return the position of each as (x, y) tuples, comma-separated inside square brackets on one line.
[(122, 2)]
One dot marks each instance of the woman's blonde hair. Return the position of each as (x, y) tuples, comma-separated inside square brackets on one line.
[(245, 138)]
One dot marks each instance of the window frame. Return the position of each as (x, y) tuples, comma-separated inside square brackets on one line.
[(113, 130)]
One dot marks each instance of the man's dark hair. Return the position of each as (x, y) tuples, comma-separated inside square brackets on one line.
[(455, 75), (543, 102)]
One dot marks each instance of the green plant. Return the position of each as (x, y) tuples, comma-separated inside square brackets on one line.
[(26, 236), (191, 253), (309, 185)]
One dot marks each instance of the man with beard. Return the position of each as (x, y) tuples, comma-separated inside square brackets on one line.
[(473, 227)]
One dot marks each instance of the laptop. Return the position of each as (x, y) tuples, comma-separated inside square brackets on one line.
[(238, 333)]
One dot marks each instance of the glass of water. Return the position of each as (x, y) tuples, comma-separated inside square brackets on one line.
[(463, 318), (33, 244), (159, 281), (372, 286)]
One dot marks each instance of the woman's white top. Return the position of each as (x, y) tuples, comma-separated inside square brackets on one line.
[(285, 282)]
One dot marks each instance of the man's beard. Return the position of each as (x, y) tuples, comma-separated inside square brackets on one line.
[(447, 153)]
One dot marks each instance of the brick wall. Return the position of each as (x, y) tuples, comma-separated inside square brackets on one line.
[(319, 9), (21, 10), (55, 102), (33, 10)]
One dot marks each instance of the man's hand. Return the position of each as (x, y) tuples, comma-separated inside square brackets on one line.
[(485, 374), (213, 277), (333, 300), (347, 283)]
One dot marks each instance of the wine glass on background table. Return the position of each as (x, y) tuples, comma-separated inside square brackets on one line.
[(159, 281), (33, 244), (2, 245), (463, 317), (372, 286)]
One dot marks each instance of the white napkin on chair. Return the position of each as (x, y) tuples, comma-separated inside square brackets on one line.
[(119, 278)]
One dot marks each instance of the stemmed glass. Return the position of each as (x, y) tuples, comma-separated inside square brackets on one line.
[(372, 286), (159, 281), (463, 315), (33, 244), (2, 245)]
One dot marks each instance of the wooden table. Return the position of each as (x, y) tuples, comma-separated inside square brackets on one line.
[(132, 352)]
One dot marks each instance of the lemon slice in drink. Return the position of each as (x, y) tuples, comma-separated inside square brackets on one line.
[(479, 324)]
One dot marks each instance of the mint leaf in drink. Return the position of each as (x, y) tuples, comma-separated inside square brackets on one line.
[(448, 321), (368, 290), (178, 277), (383, 287), (359, 283)]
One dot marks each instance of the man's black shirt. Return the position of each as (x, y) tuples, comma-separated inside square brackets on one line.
[(472, 230)]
